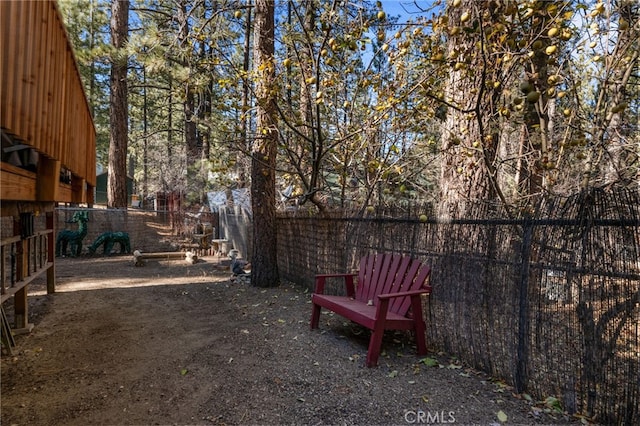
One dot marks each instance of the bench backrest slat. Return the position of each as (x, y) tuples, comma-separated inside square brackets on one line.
[(373, 278), (364, 276), (388, 273), (412, 282), (393, 271), (380, 266)]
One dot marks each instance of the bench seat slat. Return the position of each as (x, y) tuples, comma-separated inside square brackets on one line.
[(361, 313)]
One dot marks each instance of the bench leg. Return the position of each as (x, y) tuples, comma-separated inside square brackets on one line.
[(315, 316), (420, 339), (418, 325), (375, 344), (377, 333)]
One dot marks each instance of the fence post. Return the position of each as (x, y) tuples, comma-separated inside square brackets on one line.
[(522, 358), (51, 248)]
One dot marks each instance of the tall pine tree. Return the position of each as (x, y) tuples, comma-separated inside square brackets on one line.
[(116, 182), (264, 271)]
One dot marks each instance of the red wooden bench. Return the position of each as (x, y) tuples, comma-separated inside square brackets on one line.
[(387, 297)]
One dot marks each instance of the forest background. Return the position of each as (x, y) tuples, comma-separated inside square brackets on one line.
[(340, 104)]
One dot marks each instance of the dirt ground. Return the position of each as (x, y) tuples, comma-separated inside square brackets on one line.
[(177, 344)]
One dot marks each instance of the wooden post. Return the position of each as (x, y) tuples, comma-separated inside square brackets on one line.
[(78, 194), (21, 311), (51, 271), (3, 268), (48, 179), (21, 306), (521, 378), (90, 190)]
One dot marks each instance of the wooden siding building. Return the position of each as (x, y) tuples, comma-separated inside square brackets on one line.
[(48, 143)]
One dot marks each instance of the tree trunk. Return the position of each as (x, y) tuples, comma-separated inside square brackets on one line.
[(616, 160), (193, 151), (242, 163), (92, 82), (307, 71), (170, 162), (145, 149), (117, 170), (311, 129), (536, 121), (191, 140), (264, 270), (470, 144)]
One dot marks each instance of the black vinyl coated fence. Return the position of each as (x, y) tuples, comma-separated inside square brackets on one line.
[(551, 303)]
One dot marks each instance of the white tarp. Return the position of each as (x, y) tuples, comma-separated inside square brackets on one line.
[(242, 199), (216, 200)]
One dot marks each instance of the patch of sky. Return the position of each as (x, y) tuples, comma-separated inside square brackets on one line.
[(406, 10)]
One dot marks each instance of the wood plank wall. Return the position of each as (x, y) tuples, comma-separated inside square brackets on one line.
[(42, 101)]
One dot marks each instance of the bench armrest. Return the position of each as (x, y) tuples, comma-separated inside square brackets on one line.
[(424, 290), (348, 282), (416, 304)]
